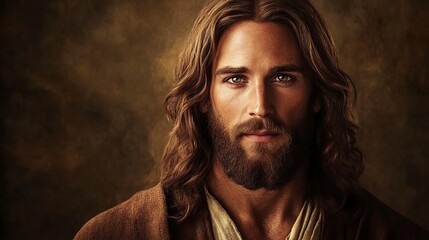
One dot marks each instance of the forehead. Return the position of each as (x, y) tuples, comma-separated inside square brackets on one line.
[(257, 44)]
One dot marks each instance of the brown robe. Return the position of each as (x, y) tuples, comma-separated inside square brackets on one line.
[(144, 216)]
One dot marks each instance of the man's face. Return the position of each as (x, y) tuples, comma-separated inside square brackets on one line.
[(260, 116)]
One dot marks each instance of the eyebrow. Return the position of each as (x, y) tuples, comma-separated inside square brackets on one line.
[(274, 70), (285, 68), (230, 70)]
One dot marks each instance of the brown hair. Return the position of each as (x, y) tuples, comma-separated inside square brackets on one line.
[(337, 163)]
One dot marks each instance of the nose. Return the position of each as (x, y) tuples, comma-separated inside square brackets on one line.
[(260, 104)]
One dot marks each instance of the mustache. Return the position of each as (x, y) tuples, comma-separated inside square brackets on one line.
[(255, 124)]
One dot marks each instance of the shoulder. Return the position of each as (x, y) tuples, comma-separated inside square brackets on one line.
[(376, 220), (144, 215)]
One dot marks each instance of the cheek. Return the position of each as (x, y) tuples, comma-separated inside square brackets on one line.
[(225, 104), (294, 109)]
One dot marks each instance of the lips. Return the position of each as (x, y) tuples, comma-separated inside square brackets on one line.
[(261, 135)]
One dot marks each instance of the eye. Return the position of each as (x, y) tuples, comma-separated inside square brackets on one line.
[(283, 79), (235, 80)]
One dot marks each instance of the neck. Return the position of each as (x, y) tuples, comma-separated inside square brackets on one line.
[(261, 212)]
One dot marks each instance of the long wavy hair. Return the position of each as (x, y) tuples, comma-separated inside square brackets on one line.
[(337, 162)]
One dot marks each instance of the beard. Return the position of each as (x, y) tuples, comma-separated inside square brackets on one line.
[(266, 165)]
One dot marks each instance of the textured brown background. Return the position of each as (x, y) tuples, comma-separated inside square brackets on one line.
[(82, 85)]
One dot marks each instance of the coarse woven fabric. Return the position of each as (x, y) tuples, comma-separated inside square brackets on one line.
[(144, 216), (308, 224)]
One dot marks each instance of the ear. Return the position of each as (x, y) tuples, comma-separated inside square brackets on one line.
[(317, 105)]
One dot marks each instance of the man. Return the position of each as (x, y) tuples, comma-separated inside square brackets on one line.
[(263, 142)]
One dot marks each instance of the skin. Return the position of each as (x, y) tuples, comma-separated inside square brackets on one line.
[(258, 72)]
